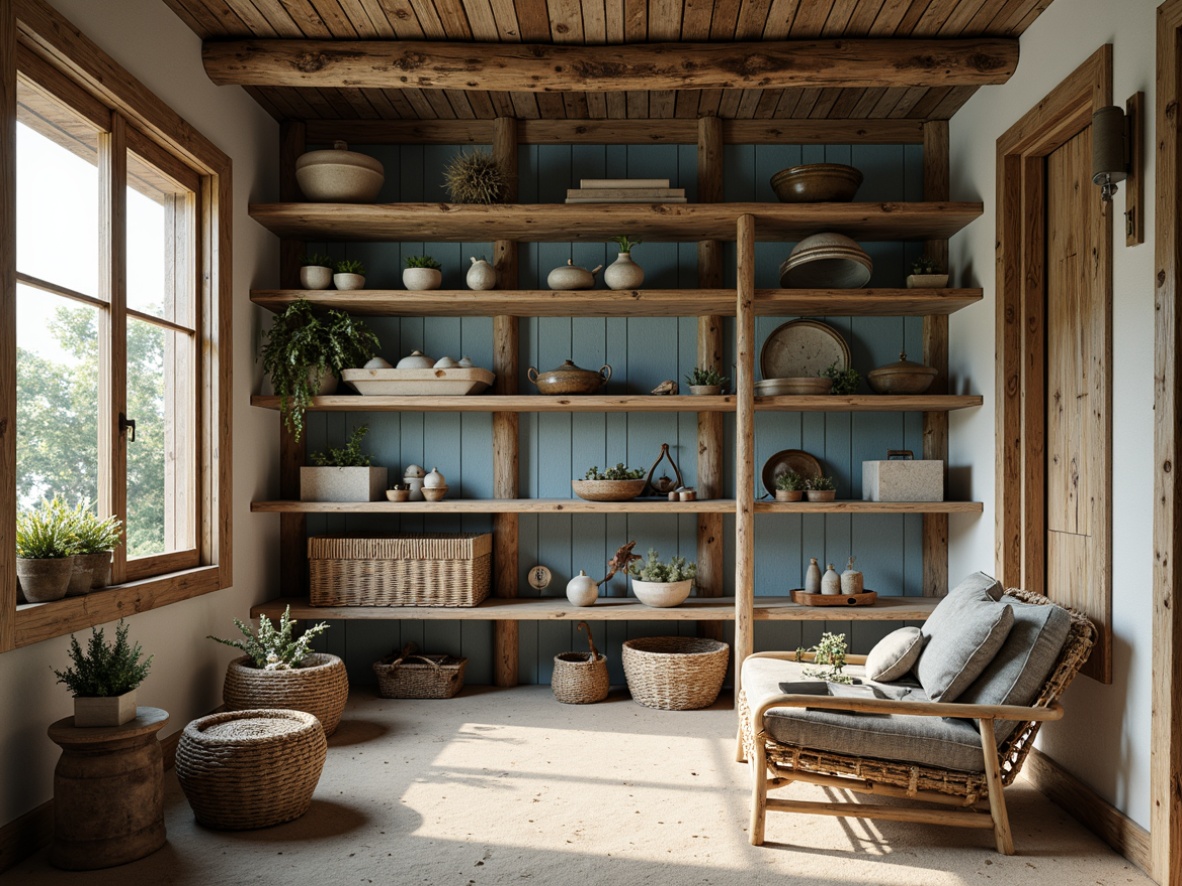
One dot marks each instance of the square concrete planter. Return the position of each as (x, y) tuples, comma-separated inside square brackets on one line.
[(110, 710), (342, 484)]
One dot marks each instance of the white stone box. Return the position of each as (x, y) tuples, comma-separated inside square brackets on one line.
[(903, 480), (342, 484)]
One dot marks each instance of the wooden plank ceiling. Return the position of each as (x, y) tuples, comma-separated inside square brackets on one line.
[(600, 22)]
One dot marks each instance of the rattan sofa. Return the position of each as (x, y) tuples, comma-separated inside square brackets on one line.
[(953, 783)]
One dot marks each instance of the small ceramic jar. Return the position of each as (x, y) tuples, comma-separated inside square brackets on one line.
[(582, 590), (623, 273), (812, 578), (571, 276), (413, 478), (851, 580), (481, 275), (830, 582), (434, 480), (416, 360)]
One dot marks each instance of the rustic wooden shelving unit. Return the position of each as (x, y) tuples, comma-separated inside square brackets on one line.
[(707, 222)]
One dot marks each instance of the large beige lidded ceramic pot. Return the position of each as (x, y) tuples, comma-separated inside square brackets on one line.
[(339, 175)]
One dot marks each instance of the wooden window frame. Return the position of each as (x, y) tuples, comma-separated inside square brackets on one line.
[(35, 37)]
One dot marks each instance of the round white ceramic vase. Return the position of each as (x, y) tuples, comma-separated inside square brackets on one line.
[(582, 590), (345, 282), (315, 277), (623, 273), (481, 275)]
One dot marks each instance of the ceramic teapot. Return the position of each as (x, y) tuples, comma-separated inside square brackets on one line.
[(570, 379), (571, 276)]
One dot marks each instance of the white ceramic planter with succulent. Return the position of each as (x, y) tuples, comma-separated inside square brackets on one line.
[(662, 585), (316, 272), (421, 273)]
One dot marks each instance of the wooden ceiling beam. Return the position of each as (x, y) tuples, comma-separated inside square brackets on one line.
[(548, 68)]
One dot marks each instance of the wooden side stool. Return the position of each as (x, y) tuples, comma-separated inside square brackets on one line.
[(108, 792), (251, 769)]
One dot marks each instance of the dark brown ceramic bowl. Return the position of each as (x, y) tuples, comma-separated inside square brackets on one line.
[(817, 183)]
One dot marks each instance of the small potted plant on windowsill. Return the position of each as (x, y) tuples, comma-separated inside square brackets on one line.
[(350, 274), (316, 272), (704, 381), (104, 678), (789, 486), (304, 352), (45, 551), (662, 584), (820, 489), (925, 276), (421, 273), (279, 670), (94, 540), (344, 474)]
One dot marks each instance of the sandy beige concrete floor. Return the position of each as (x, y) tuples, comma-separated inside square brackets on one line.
[(510, 787)]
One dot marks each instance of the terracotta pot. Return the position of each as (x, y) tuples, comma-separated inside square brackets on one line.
[(822, 494), (315, 277), (320, 689), (705, 390), (44, 580), (570, 379), (789, 494), (422, 279), (345, 282)]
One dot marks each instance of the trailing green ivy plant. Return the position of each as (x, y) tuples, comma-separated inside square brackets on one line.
[(301, 346)]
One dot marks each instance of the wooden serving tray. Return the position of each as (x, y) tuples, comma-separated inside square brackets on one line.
[(866, 598)]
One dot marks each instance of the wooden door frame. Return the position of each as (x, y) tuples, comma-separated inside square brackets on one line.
[(1165, 771), (1020, 475)]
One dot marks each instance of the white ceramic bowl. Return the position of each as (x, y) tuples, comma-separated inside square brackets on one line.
[(339, 176), (662, 594)]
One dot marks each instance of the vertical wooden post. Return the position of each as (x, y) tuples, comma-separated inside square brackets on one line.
[(112, 442), (710, 436), (293, 553), (935, 354), (505, 424), (745, 446), (7, 324)]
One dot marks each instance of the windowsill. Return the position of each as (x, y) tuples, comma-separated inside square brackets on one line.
[(43, 621)]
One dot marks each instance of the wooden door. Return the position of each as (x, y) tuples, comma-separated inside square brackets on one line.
[(1077, 525)]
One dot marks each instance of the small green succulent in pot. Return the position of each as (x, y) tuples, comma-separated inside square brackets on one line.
[(652, 569), (704, 376), (350, 266), (845, 381), (104, 670), (422, 261), (790, 481), (820, 484), (924, 265), (274, 648), (317, 260), (619, 472), (347, 456), (303, 346)]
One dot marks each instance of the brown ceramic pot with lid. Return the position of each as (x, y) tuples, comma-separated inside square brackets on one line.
[(904, 377), (570, 379)]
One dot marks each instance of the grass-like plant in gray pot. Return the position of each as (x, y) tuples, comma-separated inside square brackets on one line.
[(94, 541), (343, 474), (45, 551), (304, 352)]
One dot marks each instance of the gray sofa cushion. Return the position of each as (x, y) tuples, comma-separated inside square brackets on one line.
[(894, 655), (963, 634), (929, 741), (1022, 665)]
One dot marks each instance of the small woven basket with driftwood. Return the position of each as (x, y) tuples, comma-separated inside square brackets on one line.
[(415, 675), (580, 677)]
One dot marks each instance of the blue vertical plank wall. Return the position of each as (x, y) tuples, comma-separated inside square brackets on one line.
[(642, 352)]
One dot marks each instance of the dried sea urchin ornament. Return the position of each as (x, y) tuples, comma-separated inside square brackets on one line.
[(475, 178)]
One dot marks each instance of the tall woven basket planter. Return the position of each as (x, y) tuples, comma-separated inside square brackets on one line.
[(675, 673), (580, 677), (321, 688), (250, 769)]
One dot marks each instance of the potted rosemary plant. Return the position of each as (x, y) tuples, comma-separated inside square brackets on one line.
[(343, 474), (279, 670), (104, 678), (303, 353)]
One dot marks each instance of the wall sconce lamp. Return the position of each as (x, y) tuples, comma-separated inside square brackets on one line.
[(1110, 149), (1116, 157)]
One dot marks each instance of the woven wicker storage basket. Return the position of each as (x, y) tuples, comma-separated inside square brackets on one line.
[(580, 677), (675, 673), (412, 675), (412, 570), (320, 688), (250, 769)]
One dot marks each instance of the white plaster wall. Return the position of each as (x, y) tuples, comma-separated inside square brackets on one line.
[(1104, 740), (158, 48)]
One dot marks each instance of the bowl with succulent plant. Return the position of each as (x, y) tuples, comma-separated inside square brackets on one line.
[(620, 483), (662, 583), (422, 272), (926, 275), (790, 486), (820, 489), (706, 381), (316, 271), (350, 274)]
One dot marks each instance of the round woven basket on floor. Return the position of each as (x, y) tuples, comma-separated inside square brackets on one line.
[(675, 673), (579, 679), (250, 769), (321, 688)]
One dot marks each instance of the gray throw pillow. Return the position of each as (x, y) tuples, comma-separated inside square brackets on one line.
[(962, 635), (894, 655)]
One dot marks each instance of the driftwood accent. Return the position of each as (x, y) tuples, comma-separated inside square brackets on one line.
[(547, 68)]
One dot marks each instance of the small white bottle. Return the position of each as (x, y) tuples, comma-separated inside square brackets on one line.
[(812, 578)]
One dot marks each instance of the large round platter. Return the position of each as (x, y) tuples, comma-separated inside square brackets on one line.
[(608, 490), (802, 348), (789, 460)]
